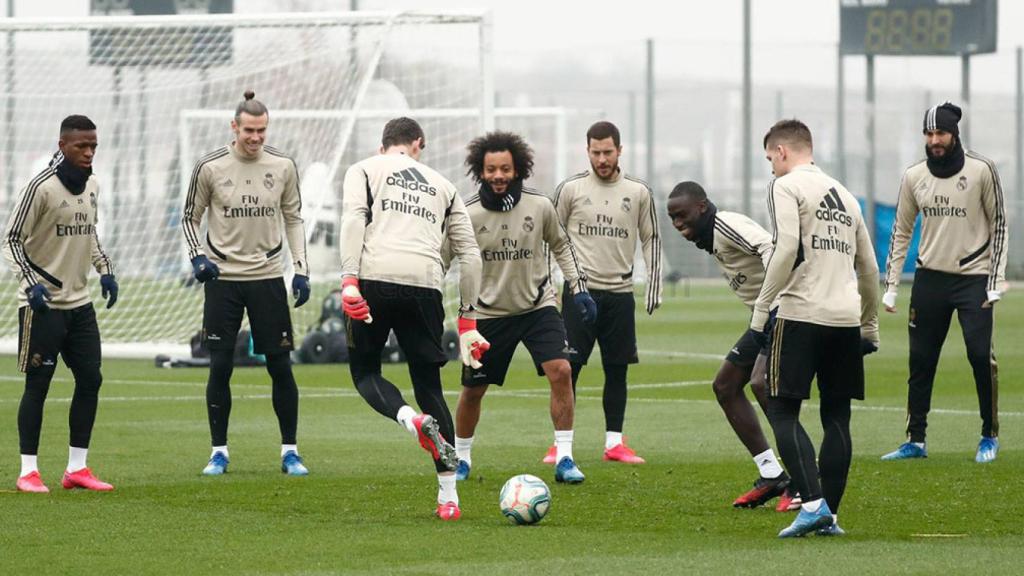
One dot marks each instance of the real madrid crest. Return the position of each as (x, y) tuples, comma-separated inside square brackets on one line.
[(961, 184), (627, 205), (528, 224), (268, 181)]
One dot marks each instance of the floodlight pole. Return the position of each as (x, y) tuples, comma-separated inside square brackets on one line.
[(650, 112), (10, 134), (747, 114), (840, 116), (1019, 140), (965, 98), (869, 181)]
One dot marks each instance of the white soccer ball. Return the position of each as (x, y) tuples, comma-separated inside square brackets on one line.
[(525, 499)]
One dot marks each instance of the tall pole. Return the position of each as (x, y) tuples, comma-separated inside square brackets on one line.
[(747, 114), (1020, 135), (840, 116), (487, 70), (650, 112), (869, 181), (634, 132), (965, 98), (10, 132)]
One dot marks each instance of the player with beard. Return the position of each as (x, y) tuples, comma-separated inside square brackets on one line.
[(742, 249), (518, 231), (961, 266), (608, 213)]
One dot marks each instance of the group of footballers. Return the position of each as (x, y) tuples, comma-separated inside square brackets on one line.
[(811, 285)]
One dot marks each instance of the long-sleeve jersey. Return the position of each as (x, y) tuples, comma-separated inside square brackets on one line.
[(516, 247), (963, 222), (51, 239), (246, 201), (742, 248), (396, 214), (822, 269), (605, 220)]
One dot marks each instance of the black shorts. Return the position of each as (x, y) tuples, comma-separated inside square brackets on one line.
[(266, 301), (614, 330), (745, 352), (801, 350), (73, 334), (415, 314), (541, 331)]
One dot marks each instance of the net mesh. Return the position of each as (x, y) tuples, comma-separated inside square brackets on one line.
[(162, 92)]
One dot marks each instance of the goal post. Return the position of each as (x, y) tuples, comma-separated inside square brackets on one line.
[(162, 89)]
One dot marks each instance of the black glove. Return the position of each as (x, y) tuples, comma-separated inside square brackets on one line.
[(38, 296), (203, 269), (867, 347), (300, 289), (588, 308), (109, 289)]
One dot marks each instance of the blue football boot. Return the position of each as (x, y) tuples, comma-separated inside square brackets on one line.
[(807, 522), (987, 450), (906, 451), (217, 465), (567, 471), (291, 464)]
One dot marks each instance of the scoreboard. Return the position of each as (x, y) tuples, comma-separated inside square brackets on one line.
[(917, 27)]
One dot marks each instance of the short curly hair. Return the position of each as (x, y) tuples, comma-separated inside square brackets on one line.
[(498, 141)]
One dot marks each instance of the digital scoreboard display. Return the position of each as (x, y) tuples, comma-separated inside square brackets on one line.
[(917, 27)]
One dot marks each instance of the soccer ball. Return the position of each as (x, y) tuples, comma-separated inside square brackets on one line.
[(525, 499)]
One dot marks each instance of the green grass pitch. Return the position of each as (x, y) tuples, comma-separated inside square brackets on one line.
[(367, 506)]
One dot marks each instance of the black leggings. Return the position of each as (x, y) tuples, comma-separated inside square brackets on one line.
[(285, 395), (81, 417), (797, 451)]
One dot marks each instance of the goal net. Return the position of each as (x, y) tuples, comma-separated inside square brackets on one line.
[(162, 91)]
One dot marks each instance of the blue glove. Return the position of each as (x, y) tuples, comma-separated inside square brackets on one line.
[(109, 286), (587, 306), (38, 296), (203, 269), (300, 289)]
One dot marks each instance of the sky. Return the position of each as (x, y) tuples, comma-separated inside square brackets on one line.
[(794, 40)]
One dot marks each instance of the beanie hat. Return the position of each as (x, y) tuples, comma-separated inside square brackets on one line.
[(943, 117)]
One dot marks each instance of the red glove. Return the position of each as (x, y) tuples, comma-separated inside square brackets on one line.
[(352, 301), (472, 344)]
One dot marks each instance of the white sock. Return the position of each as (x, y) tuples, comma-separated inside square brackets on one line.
[(464, 448), (29, 464), (405, 416), (918, 444), (835, 518), (286, 448), (768, 464), (812, 506), (76, 458), (222, 449), (446, 488), (563, 444), (612, 439)]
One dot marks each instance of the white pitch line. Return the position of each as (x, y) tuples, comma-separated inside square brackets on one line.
[(345, 393), (675, 354)]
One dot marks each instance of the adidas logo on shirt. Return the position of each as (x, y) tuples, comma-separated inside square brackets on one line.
[(832, 209), (411, 179)]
